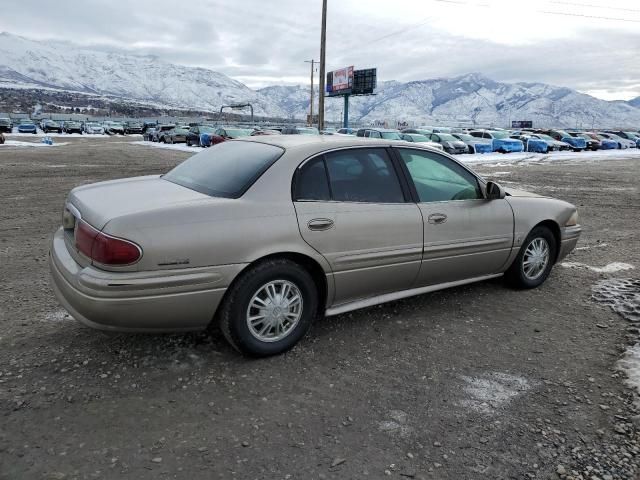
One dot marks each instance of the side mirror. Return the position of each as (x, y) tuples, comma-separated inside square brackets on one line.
[(495, 191)]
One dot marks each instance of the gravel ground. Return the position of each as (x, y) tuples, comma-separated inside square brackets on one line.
[(476, 382)]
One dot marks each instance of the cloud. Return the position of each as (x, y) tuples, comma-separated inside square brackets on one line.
[(264, 43)]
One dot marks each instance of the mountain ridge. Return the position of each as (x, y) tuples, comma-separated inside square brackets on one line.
[(470, 99)]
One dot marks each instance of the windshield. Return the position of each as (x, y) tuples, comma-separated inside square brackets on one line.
[(227, 170), (238, 132), (447, 138), (563, 134), (632, 135), (465, 137), (391, 135), (308, 131), (206, 129), (545, 137), (500, 135), (419, 138)]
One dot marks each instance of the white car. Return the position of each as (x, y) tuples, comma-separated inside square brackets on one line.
[(421, 139), (93, 128), (622, 142)]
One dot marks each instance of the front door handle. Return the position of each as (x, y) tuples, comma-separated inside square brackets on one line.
[(319, 224), (437, 218)]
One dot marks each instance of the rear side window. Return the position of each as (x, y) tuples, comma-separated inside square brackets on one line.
[(227, 170), (363, 175), (312, 183)]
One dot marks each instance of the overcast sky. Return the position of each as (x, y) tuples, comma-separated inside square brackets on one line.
[(572, 43)]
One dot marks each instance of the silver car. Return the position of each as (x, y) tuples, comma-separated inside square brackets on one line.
[(263, 235)]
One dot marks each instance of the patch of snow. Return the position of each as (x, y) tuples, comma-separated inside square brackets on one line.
[(167, 146), (526, 158), (396, 424), (493, 391), (630, 365), (623, 296), (58, 316), (608, 268), (589, 247), (16, 143)]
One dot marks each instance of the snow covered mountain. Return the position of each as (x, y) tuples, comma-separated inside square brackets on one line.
[(471, 99), (27, 63)]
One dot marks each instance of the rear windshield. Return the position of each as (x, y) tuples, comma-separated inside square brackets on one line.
[(226, 170)]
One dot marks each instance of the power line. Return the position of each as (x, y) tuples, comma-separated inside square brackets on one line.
[(484, 5), (591, 5), (590, 16)]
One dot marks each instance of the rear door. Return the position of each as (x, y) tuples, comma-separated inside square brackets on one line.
[(353, 209), (465, 235)]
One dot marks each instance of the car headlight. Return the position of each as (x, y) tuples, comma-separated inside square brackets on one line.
[(573, 220)]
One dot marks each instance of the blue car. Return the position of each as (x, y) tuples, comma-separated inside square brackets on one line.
[(531, 143), (500, 140), (474, 144), (577, 143), (27, 126), (605, 143)]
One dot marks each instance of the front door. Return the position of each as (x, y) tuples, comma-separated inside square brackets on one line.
[(465, 235), (352, 209)]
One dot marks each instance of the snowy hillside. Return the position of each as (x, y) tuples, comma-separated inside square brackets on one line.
[(468, 99), (27, 63), (635, 102)]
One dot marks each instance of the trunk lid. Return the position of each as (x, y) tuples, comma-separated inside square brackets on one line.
[(100, 202)]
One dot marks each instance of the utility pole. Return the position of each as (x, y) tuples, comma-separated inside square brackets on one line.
[(312, 62), (323, 41)]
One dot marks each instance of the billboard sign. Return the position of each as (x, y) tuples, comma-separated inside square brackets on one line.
[(340, 81), (521, 124), (364, 81)]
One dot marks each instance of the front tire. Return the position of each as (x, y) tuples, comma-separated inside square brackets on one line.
[(533, 264), (269, 308)]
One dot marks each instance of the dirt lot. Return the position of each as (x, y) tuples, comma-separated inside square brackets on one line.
[(477, 382)]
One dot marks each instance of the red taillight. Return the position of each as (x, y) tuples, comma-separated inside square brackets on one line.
[(104, 249), (85, 235)]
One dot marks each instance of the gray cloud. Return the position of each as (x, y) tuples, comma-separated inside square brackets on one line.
[(257, 41)]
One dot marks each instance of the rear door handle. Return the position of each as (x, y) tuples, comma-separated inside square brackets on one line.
[(437, 218), (319, 224)]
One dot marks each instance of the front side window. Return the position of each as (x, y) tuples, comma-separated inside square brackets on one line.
[(227, 170), (439, 179), (363, 175)]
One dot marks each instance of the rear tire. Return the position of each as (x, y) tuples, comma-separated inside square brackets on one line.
[(535, 260), (264, 297)]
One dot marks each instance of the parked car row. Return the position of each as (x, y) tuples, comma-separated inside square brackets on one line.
[(457, 141), (47, 125)]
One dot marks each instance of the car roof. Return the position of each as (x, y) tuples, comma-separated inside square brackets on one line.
[(380, 129), (308, 145)]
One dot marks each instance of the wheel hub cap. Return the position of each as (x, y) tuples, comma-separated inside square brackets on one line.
[(535, 259), (274, 310)]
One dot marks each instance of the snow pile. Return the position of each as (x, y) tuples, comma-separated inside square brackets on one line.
[(608, 268)]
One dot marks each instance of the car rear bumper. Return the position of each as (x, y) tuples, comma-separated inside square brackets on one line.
[(157, 301), (569, 240)]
